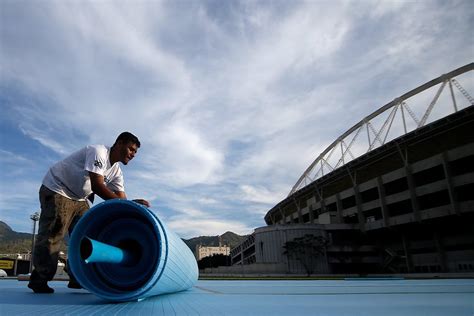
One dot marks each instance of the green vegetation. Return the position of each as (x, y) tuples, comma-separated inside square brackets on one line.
[(307, 250), (229, 239), (214, 261), (14, 242)]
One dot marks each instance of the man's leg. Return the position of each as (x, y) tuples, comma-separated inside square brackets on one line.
[(81, 208), (50, 234)]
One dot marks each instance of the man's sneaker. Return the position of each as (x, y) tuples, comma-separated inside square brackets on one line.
[(40, 288), (74, 285)]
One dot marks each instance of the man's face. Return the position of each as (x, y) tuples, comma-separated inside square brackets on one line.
[(127, 151)]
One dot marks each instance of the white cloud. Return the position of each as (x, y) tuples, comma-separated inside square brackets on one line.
[(383, 8), (18, 200), (259, 195), (191, 227), (207, 201), (231, 102), (190, 159), (9, 157), (191, 212), (42, 137)]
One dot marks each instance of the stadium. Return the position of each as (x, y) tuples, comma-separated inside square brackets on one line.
[(393, 194)]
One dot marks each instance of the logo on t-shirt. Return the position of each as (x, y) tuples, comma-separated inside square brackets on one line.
[(97, 163)]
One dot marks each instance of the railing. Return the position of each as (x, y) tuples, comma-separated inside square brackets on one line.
[(20, 256)]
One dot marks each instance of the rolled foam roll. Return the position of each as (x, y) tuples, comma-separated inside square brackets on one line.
[(121, 251)]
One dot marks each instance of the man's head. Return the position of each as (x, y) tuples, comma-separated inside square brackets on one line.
[(124, 148)]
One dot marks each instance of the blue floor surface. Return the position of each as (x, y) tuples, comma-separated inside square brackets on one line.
[(312, 297)]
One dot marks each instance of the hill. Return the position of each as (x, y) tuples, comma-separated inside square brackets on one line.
[(12, 241), (228, 238)]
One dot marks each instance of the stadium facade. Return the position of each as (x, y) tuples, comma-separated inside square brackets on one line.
[(405, 205)]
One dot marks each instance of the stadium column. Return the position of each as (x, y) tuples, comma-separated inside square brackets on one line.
[(311, 214), (319, 197), (406, 250), (449, 184), (339, 217), (412, 189), (283, 221), (360, 214), (272, 218), (441, 253), (292, 217), (298, 208), (383, 202)]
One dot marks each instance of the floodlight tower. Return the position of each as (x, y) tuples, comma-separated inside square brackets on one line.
[(34, 217)]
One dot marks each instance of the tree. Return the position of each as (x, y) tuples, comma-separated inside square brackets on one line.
[(214, 261), (306, 250)]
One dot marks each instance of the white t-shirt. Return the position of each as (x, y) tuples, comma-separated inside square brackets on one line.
[(70, 176)]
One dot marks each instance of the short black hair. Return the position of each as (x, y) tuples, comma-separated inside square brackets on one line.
[(128, 137)]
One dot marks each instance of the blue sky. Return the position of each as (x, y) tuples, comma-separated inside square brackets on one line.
[(232, 100)]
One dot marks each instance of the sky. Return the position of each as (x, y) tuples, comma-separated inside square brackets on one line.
[(231, 100)]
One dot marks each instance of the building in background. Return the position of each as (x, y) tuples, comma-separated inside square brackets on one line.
[(206, 251), (399, 201)]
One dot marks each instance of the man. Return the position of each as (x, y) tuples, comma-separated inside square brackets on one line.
[(63, 196)]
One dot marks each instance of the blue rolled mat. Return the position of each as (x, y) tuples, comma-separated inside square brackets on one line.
[(121, 251)]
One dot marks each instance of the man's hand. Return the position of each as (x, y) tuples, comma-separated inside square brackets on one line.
[(142, 202)]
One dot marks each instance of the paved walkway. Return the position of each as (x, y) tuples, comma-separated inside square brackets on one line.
[(312, 297)]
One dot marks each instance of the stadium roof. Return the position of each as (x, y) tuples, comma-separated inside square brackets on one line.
[(408, 112)]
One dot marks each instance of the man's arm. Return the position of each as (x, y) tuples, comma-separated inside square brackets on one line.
[(98, 187), (121, 194)]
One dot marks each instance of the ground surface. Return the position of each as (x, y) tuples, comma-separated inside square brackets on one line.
[(312, 297)]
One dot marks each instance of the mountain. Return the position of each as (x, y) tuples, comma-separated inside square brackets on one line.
[(228, 238), (7, 233), (12, 241)]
